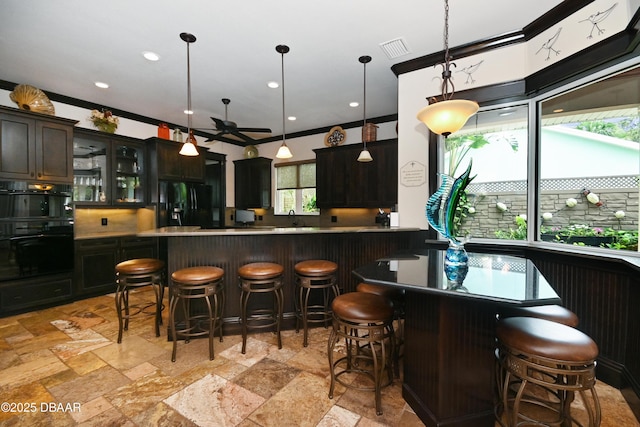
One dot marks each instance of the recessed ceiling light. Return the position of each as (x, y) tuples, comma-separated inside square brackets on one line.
[(188, 111), (102, 85), (151, 56), (292, 118), (506, 113), (354, 104), (558, 110), (273, 85)]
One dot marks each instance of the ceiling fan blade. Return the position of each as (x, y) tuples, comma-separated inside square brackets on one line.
[(242, 136), (219, 123), (255, 130), (227, 140)]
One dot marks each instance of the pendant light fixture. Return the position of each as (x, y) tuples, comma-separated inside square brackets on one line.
[(283, 151), (448, 115), (189, 146), (364, 156)]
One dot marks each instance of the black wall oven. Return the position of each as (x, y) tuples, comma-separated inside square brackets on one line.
[(36, 230)]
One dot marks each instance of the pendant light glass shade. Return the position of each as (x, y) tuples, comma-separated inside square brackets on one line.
[(365, 155), (283, 151), (189, 146), (447, 117)]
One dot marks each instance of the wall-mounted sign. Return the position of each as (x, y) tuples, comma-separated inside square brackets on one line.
[(413, 174)]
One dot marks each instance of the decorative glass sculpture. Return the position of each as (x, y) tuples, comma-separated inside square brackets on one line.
[(442, 205), (441, 213)]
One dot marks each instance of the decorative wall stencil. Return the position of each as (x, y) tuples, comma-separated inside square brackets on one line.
[(598, 18), (469, 71), (548, 45)]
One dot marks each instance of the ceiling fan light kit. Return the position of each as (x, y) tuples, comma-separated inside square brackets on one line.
[(365, 155), (447, 116), (283, 152), (189, 146)]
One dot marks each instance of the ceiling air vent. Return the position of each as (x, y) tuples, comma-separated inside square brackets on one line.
[(395, 48)]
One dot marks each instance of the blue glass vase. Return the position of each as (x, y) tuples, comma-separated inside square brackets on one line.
[(456, 264)]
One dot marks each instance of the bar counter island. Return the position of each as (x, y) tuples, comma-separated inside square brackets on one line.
[(231, 248)]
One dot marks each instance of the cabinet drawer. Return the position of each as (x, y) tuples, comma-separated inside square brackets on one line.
[(29, 295), (96, 244)]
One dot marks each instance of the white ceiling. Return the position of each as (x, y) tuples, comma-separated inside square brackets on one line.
[(64, 46)]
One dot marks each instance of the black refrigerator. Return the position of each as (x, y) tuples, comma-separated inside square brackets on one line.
[(185, 203)]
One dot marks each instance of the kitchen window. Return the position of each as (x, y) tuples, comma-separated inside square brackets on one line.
[(563, 168), (296, 188)]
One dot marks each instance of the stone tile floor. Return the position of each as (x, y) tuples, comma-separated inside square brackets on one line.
[(62, 367)]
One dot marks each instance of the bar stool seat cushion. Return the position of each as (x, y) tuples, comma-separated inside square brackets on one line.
[(554, 313), (260, 270), (546, 339), (316, 267), (360, 307), (197, 275), (140, 266)]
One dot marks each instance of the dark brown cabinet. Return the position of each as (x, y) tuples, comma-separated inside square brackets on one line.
[(343, 182), (95, 261), (35, 147), (23, 295), (171, 166), (253, 183)]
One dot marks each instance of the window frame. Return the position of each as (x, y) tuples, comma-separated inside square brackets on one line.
[(298, 189), (534, 104)]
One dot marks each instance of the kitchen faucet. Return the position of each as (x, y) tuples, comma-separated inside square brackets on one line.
[(292, 214)]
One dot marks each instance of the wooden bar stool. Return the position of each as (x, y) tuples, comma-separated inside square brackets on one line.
[(396, 296), (196, 283), (546, 363), (314, 275), (260, 278), (365, 321), (136, 273)]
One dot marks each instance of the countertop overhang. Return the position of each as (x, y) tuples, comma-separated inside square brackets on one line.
[(197, 231)]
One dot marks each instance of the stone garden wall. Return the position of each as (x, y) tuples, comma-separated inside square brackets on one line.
[(614, 194)]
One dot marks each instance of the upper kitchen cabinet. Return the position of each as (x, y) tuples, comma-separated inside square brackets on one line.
[(343, 182), (253, 183), (35, 147), (172, 166), (108, 169)]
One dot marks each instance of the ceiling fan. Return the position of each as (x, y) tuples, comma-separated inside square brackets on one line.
[(229, 131)]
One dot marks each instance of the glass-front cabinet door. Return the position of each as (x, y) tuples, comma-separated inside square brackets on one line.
[(108, 170), (129, 172), (91, 178)]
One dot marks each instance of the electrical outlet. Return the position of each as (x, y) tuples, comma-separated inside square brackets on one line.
[(259, 217), (334, 218), (104, 221)]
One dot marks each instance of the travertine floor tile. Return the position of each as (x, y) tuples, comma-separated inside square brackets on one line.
[(68, 354)]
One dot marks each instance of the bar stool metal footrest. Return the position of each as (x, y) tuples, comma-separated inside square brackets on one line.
[(197, 283), (137, 273)]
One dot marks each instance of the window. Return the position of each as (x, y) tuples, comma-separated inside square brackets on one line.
[(495, 202), (566, 173), (296, 188), (590, 164)]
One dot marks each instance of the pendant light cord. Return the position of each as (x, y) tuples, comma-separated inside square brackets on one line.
[(282, 70), (189, 112), (448, 87)]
